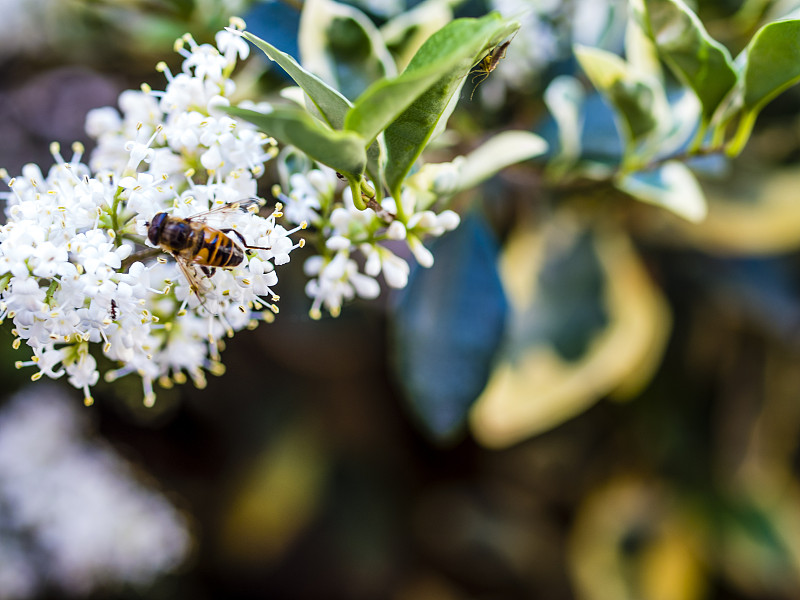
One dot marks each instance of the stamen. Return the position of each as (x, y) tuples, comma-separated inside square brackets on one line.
[(149, 395)]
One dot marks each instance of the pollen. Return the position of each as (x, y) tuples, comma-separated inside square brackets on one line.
[(216, 368)]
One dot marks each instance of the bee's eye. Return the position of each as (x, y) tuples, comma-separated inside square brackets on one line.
[(155, 226)]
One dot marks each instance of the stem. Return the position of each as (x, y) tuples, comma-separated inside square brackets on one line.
[(114, 217), (401, 213), (697, 142), (355, 190), (679, 156), (48, 296), (140, 256), (736, 145)]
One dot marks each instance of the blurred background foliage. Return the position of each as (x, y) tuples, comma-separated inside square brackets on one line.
[(635, 434)]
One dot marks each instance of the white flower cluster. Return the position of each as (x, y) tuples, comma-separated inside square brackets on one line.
[(72, 270), (335, 274), (73, 516), (76, 271)]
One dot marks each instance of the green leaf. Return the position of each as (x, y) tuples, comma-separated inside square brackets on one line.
[(442, 352), (461, 43), (770, 65), (497, 153), (339, 43), (639, 100), (385, 100), (343, 151), (673, 186), (697, 59), (331, 104)]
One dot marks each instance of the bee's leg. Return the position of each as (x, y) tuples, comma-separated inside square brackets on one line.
[(237, 234), (244, 241), (207, 271)]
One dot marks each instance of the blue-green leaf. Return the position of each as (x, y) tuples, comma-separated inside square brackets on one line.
[(568, 310), (448, 326)]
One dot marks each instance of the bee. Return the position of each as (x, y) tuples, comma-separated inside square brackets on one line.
[(192, 242), (489, 63)]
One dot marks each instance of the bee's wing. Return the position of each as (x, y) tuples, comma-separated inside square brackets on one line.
[(247, 205), (195, 281)]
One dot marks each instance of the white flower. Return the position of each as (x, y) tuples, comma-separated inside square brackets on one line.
[(336, 281), (232, 45), (382, 260), (74, 515), (308, 192)]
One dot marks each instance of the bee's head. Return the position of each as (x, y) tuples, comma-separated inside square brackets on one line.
[(155, 226)]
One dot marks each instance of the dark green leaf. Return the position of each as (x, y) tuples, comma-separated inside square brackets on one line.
[(331, 104), (772, 63), (385, 100), (343, 151), (448, 326), (462, 43)]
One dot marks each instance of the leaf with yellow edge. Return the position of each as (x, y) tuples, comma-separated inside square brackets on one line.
[(533, 388), (754, 212), (668, 563), (277, 497)]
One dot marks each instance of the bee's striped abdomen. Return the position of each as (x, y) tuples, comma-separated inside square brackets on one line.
[(215, 249)]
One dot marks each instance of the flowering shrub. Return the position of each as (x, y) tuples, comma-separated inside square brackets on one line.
[(82, 272), (76, 269)]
